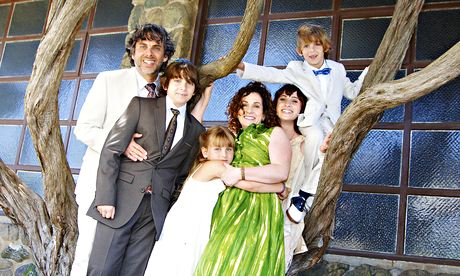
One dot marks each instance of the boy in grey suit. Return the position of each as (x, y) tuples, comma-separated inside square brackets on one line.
[(132, 198)]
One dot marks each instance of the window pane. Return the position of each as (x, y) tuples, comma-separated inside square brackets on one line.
[(85, 86), (74, 56), (28, 18), (75, 151), (435, 159), (219, 40), (18, 58), (300, 5), (432, 227), (33, 180), (28, 154), (65, 98), (366, 3), (110, 13), (104, 52), (360, 224), (281, 39), (437, 31), (442, 105), (10, 136), (223, 91), (361, 37), (219, 8), (378, 159), (4, 9), (12, 103), (393, 115)]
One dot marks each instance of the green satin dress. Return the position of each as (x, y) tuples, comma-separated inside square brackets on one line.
[(247, 228)]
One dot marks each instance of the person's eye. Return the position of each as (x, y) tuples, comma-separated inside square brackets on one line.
[(229, 149)]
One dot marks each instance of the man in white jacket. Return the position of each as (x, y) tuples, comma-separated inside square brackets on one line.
[(150, 49)]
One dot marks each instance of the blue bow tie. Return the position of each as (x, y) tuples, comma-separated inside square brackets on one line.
[(324, 71)]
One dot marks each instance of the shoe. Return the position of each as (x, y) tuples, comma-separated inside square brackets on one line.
[(297, 210)]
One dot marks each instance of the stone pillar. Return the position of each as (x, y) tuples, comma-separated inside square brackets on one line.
[(178, 17)]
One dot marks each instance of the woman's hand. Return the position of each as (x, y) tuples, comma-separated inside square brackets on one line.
[(325, 145), (231, 175)]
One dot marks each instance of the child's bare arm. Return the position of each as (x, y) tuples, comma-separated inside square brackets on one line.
[(209, 170)]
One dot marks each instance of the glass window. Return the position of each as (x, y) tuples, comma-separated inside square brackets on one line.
[(378, 159), (435, 159), (85, 86), (33, 180), (104, 52), (110, 13), (392, 115), (366, 3), (432, 227), (223, 91), (12, 103), (28, 18), (361, 37), (218, 8), (10, 136), (4, 10), (441, 105), (18, 58), (74, 57), (65, 98), (28, 153), (279, 6), (359, 224), (282, 37), (437, 32), (75, 151), (219, 40)]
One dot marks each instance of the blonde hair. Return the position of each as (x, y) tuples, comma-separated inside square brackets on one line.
[(308, 33), (216, 136)]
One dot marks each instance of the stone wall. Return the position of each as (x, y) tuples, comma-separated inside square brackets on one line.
[(178, 17)]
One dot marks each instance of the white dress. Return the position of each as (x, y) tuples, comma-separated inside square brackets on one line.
[(186, 229)]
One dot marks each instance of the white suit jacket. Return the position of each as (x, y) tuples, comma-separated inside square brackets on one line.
[(325, 104), (108, 98)]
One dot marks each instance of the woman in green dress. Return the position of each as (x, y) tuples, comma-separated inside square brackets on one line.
[(247, 227)]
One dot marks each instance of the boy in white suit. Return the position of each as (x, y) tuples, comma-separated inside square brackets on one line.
[(324, 82)]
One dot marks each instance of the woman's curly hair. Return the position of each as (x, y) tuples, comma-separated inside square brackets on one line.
[(270, 118)]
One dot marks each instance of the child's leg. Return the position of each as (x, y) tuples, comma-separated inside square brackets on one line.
[(312, 166)]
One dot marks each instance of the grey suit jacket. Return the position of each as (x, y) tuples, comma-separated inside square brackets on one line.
[(120, 181)]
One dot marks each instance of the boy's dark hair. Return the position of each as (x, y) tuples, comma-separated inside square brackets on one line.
[(183, 69), (270, 118), (308, 33), (151, 32), (290, 89)]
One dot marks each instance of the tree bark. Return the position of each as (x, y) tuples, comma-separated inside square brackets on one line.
[(50, 224), (364, 112)]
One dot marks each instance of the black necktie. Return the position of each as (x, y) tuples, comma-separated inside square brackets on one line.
[(170, 131), (151, 88)]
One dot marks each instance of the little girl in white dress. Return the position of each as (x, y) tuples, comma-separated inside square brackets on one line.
[(187, 225)]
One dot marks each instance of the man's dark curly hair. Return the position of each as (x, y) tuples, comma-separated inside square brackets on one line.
[(151, 32), (290, 89), (270, 119)]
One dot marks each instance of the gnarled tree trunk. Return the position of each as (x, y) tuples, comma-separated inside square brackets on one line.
[(49, 223)]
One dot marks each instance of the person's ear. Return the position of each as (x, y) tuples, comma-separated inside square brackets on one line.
[(165, 58), (298, 52), (204, 152)]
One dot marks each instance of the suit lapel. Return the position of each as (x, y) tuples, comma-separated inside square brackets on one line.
[(160, 120), (187, 125)]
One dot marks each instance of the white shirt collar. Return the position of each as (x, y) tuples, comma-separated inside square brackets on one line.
[(170, 104), (314, 68), (141, 82)]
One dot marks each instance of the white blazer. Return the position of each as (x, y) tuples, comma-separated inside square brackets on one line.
[(106, 101), (320, 104)]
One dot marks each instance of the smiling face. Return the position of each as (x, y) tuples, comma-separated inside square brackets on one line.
[(148, 56), (251, 111), (180, 91), (218, 153), (288, 107), (313, 53)]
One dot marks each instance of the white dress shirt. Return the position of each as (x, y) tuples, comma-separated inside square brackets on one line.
[(141, 82)]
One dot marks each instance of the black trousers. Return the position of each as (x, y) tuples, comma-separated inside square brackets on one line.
[(125, 250)]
